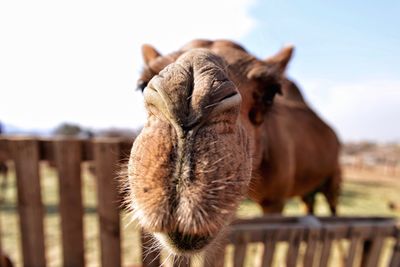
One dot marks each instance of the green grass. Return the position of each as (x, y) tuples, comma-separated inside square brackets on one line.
[(359, 197)]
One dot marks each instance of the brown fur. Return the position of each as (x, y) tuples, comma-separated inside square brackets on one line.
[(194, 159)]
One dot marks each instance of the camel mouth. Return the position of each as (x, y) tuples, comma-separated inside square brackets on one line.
[(182, 243), (185, 242)]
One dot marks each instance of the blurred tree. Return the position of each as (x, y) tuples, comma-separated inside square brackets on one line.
[(68, 129), (122, 133)]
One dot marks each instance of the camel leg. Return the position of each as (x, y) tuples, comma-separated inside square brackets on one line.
[(331, 191), (272, 206), (309, 200)]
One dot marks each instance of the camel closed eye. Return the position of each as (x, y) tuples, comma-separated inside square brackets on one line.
[(228, 96)]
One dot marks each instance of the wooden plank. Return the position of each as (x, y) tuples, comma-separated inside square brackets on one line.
[(2, 256), (46, 148), (371, 250), (312, 244), (342, 228), (355, 242), (278, 219), (30, 208), (106, 158), (256, 232), (294, 246), (2, 259), (239, 255), (395, 258), (269, 249), (68, 160), (150, 253), (312, 236), (239, 251), (366, 249), (5, 153), (326, 245)]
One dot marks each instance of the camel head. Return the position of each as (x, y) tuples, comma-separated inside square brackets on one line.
[(192, 163)]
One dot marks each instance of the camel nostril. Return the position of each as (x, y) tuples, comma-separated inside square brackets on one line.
[(186, 242), (231, 100), (154, 97)]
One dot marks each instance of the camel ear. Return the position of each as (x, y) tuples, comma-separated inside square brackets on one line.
[(149, 53), (282, 58)]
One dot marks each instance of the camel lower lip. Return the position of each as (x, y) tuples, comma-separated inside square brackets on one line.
[(188, 243)]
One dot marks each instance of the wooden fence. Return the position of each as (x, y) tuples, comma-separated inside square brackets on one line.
[(309, 240)]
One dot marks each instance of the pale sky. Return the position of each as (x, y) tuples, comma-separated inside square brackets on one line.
[(78, 61)]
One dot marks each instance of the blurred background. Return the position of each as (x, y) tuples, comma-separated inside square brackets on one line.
[(78, 61), (70, 67)]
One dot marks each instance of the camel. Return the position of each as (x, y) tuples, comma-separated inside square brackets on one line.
[(289, 91), (330, 187), (220, 127)]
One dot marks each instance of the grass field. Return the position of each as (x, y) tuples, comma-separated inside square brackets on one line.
[(363, 193)]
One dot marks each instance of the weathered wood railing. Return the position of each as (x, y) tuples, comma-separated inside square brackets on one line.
[(67, 154), (365, 236)]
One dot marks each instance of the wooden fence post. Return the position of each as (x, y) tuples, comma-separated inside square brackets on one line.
[(106, 158), (296, 236), (25, 153), (68, 160), (312, 240), (2, 256), (2, 260), (395, 258), (270, 240), (355, 242), (372, 250), (239, 251), (326, 245)]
